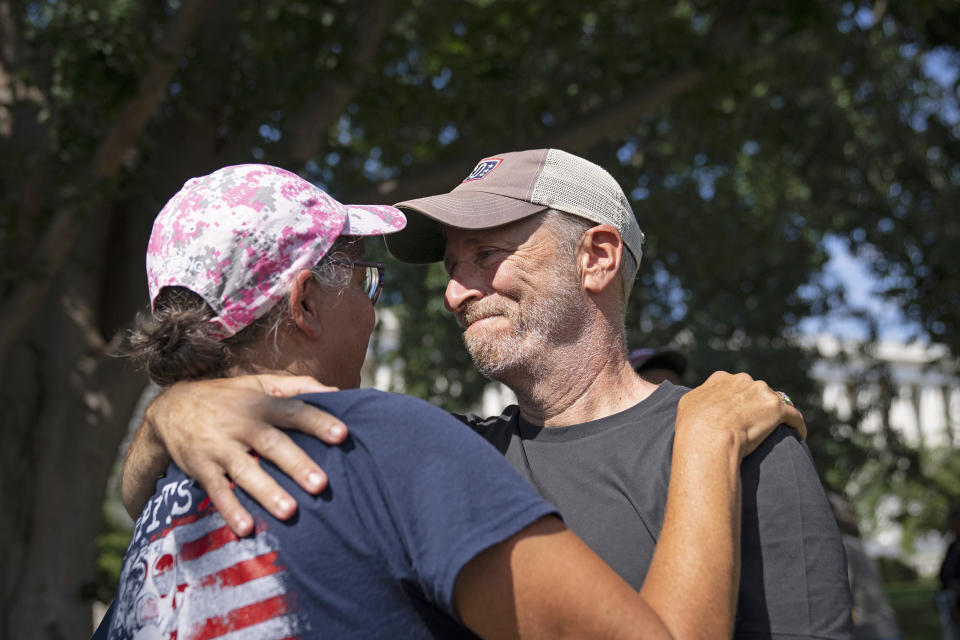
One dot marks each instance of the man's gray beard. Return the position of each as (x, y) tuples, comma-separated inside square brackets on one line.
[(548, 320)]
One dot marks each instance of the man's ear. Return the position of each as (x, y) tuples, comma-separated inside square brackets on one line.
[(599, 256), (304, 304)]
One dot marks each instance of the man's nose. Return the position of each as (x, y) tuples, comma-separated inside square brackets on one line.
[(458, 294)]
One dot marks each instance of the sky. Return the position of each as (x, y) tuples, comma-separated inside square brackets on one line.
[(852, 272), (854, 275)]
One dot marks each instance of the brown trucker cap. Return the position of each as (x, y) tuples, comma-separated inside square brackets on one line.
[(511, 186)]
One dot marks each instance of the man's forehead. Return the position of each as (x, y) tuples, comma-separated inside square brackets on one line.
[(520, 229), (454, 239)]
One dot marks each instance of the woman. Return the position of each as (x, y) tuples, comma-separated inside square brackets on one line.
[(424, 529)]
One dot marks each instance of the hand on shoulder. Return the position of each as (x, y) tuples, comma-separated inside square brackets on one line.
[(737, 407)]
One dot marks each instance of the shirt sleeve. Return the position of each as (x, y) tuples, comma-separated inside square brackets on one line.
[(448, 494), (791, 546)]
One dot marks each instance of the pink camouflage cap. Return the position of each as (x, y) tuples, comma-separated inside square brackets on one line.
[(237, 237)]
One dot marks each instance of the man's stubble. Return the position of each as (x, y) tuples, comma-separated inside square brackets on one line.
[(539, 322)]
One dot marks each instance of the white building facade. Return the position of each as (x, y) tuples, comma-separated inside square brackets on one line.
[(924, 410)]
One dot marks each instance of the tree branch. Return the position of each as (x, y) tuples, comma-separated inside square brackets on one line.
[(325, 104), (9, 36), (728, 26), (585, 131), (64, 228), (879, 8), (605, 122), (579, 136), (135, 114)]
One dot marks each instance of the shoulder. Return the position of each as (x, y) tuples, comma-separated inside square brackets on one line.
[(657, 414), (661, 405), (782, 453), (791, 547), (781, 472), (363, 400), (360, 408), (782, 489), (396, 425)]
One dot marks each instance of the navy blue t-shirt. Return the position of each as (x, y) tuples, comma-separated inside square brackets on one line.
[(413, 496)]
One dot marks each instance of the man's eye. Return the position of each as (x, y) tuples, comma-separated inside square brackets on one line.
[(485, 254)]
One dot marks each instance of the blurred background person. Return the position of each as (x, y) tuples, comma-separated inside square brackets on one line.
[(948, 600), (873, 617), (657, 365)]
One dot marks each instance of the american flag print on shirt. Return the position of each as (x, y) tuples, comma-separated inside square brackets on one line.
[(186, 576)]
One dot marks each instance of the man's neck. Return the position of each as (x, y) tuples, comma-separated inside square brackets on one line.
[(571, 390)]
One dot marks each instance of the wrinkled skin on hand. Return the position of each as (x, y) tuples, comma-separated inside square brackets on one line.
[(211, 428), (746, 409)]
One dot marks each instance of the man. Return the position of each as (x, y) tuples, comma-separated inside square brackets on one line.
[(542, 249), (657, 365), (873, 617)]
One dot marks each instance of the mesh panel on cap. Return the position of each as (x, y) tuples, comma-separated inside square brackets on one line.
[(579, 187), (574, 185), (594, 195)]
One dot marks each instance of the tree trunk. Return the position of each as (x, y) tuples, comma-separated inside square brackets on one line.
[(66, 405)]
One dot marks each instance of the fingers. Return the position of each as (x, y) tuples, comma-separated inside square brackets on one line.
[(784, 413), (221, 495), (250, 476), (741, 405), (211, 427), (287, 386), (209, 463), (793, 418), (790, 415), (274, 445), (294, 414)]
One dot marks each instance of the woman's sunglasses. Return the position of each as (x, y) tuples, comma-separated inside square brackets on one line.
[(372, 282)]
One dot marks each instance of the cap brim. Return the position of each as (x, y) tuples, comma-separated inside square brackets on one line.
[(422, 240), (372, 220)]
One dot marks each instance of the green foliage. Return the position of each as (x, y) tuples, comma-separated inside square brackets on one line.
[(113, 540), (111, 547), (926, 484), (914, 604), (893, 570)]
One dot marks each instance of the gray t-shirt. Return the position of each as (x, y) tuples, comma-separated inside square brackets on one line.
[(609, 480)]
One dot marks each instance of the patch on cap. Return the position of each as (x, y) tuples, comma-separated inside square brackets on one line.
[(483, 168)]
